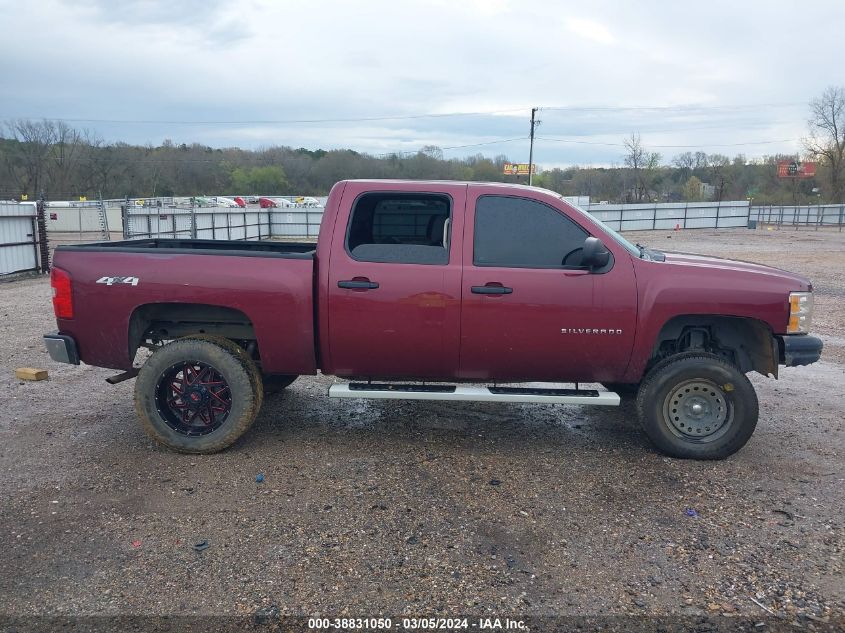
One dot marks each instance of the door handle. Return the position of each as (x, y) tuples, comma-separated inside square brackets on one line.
[(358, 284), (490, 289)]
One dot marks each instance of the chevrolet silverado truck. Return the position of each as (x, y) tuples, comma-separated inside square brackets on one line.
[(434, 291)]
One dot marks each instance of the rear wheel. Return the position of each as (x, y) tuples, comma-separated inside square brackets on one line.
[(697, 406), (198, 394)]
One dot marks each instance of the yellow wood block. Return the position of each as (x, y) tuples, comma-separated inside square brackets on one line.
[(29, 373)]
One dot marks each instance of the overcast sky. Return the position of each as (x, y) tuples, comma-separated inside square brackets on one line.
[(246, 73)]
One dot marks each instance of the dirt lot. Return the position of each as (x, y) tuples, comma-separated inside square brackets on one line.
[(426, 509)]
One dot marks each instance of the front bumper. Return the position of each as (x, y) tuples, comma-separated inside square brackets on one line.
[(62, 348), (799, 349)]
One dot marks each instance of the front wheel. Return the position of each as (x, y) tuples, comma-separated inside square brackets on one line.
[(198, 394), (697, 406)]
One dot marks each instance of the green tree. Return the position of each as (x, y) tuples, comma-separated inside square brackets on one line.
[(268, 180), (692, 189)]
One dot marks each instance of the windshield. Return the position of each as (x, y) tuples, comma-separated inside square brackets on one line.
[(614, 234)]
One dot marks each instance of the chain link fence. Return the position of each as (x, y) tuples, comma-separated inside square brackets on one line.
[(670, 215), (288, 217), (807, 216)]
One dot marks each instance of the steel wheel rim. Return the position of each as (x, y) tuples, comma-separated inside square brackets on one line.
[(193, 398), (697, 410)]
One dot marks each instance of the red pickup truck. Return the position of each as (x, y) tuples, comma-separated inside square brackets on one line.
[(424, 290)]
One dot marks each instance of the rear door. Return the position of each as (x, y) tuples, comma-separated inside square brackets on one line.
[(529, 311), (395, 281)]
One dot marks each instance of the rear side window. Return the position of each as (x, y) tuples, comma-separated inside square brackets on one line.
[(522, 233), (400, 228)]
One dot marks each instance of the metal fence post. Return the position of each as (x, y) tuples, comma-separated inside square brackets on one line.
[(718, 212), (193, 219), (43, 247)]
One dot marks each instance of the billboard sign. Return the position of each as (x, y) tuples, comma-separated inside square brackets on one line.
[(794, 169), (518, 169)]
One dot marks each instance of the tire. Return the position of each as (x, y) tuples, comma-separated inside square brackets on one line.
[(718, 416), (225, 394), (276, 383)]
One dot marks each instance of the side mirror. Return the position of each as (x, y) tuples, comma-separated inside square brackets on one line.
[(595, 254)]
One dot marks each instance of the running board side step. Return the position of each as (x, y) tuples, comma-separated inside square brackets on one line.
[(383, 391)]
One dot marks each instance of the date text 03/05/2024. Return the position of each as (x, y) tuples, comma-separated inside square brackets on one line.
[(418, 624)]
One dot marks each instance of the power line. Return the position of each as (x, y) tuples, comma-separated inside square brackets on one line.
[(688, 107), (700, 145), (501, 140), (416, 151)]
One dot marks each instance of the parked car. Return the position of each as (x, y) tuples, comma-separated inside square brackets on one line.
[(283, 202), (307, 201), (240, 202), (226, 202), (443, 282), (267, 203)]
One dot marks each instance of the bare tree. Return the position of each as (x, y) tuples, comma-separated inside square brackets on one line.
[(719, 166), (643, 165), (64, 157), (685, 162), (827, 137), (31, 155)]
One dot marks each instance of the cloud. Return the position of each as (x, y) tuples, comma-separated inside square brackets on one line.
[(590, 30), (247, 64)]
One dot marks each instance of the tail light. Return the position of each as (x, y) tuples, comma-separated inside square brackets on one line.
[(62, 293)]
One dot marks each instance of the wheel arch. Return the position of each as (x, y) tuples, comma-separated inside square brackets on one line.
[(746, 342), (172, 320)]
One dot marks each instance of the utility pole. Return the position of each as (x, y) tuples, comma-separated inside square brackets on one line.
[(531, 150)]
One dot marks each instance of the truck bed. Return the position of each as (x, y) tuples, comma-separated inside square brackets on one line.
[(121, 288), (240, 248)]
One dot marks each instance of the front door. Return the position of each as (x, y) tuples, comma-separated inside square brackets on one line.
[(529, 312), (394, 282)]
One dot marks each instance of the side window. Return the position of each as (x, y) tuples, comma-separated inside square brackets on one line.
[(523, 233), (400, 228)]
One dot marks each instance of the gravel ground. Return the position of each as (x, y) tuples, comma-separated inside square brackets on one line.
[(426, 509)]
